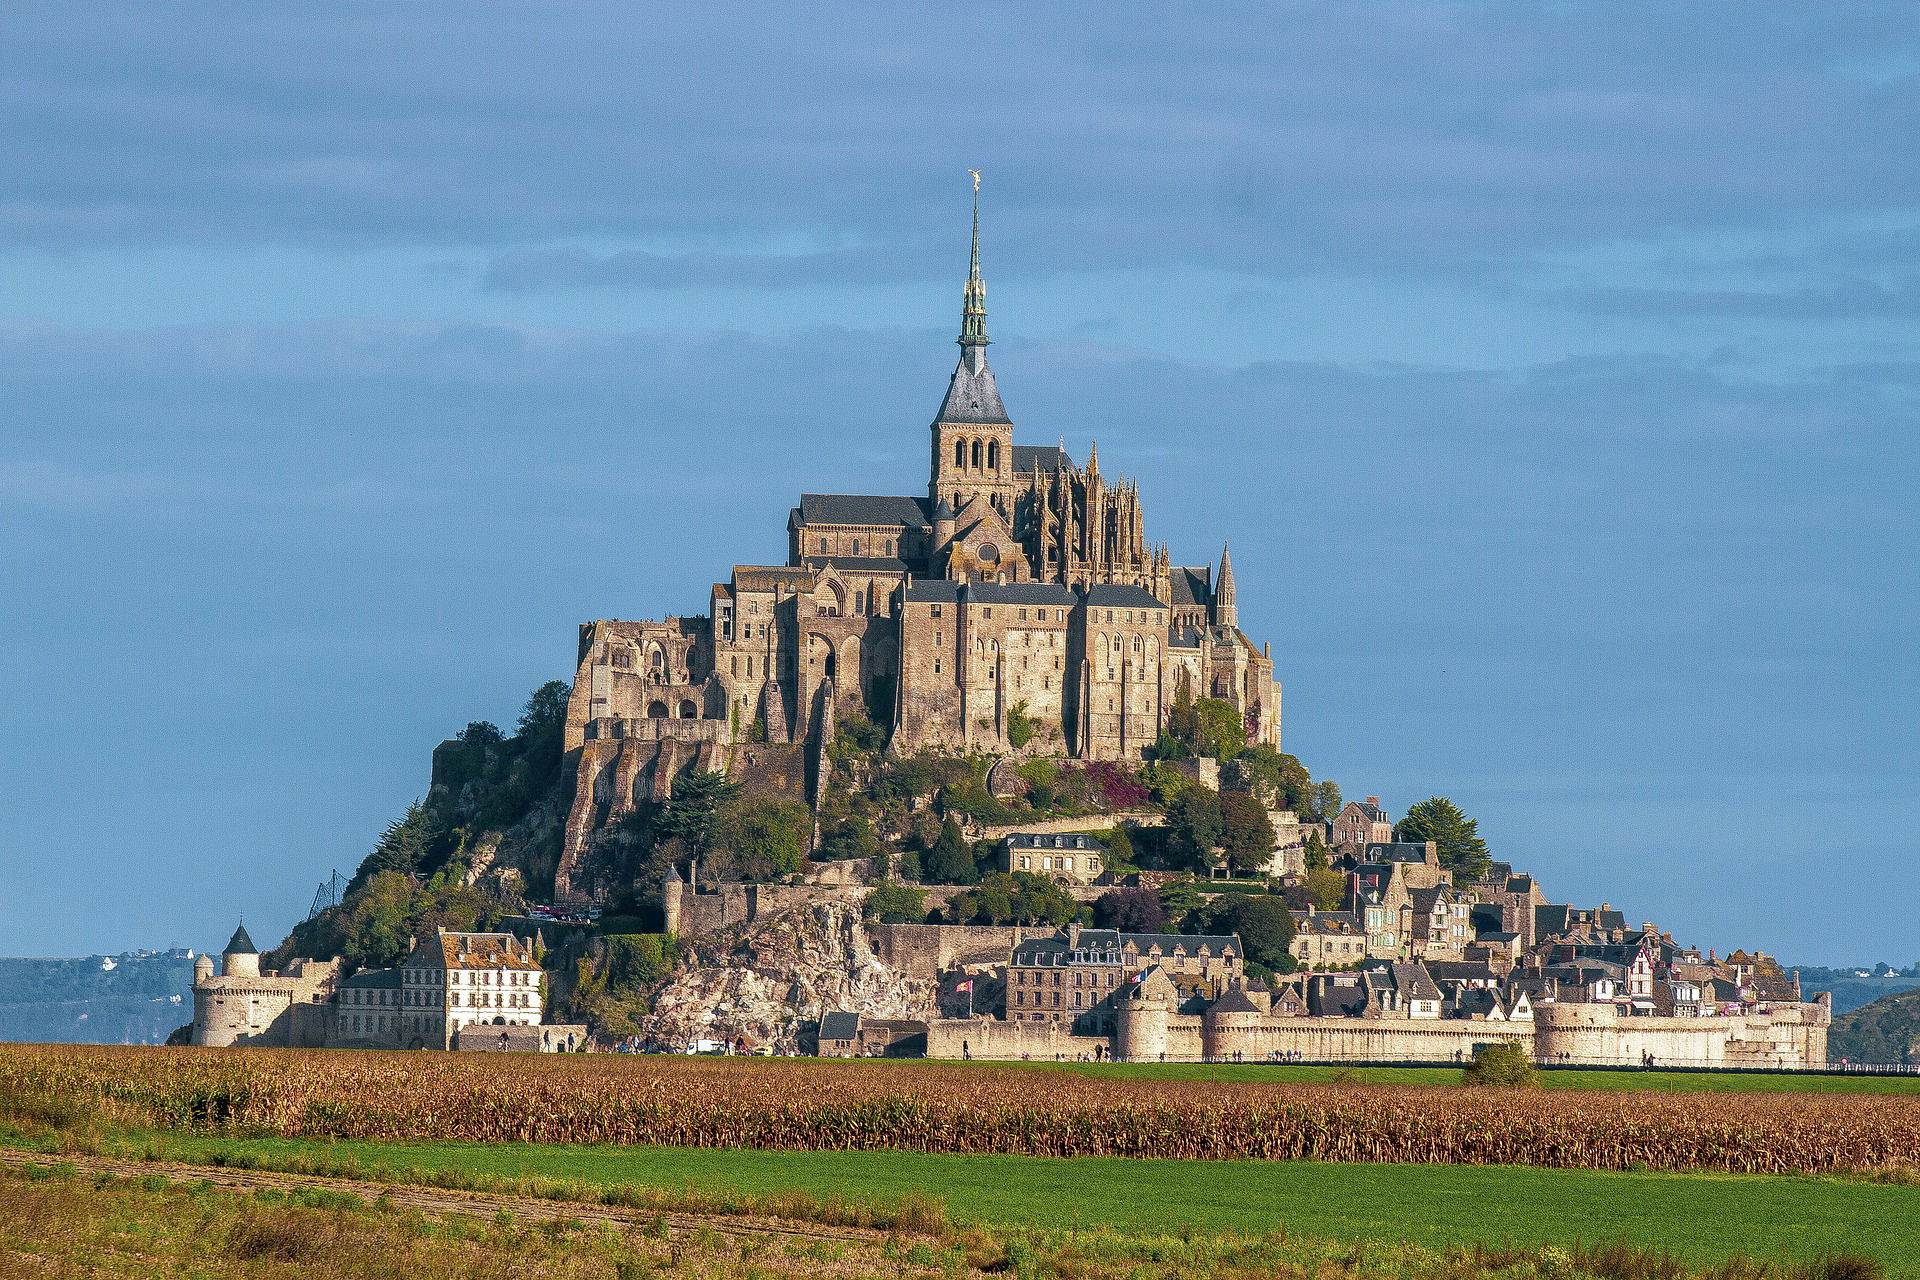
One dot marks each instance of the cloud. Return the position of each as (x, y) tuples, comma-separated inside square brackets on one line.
[(540, 270), (1267, 140), (1846, 299)]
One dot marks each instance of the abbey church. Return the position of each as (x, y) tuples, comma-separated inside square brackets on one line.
[(1018, 601)]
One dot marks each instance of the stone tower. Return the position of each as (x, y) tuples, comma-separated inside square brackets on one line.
[(972, 436), (241, 959), (1225, 613)]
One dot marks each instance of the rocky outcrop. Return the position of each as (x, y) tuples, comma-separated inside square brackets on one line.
[(770, 979)]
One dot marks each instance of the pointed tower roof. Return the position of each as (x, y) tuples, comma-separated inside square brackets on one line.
[(972, 396), (240, 944), (943, 510), (1224, 611)]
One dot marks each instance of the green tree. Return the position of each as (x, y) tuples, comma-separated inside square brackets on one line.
[(1327, 888), (1182, 736), (895, 904), (1325, 805), (1020, 898), (691, 809), (1021, 727), (1247, 833), (1501, 1064), (1262, 921), (1316, 853), (1180, 899), (1196, 825), (1223, 731), (1438, 819), (759, 840), (949, 860), (406, 843), (850, 837)]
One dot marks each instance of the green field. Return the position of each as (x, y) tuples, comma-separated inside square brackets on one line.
[(1552, 1078), (1702, 1217)]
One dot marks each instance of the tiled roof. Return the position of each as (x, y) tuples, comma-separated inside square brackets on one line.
[(1340, 923), (1401, 851), (480, 951), (839, 1025), (1048, 593), (863, 509), (858, 564), (931, 591), (1048, 457), (1193, 585), (1116, 596)]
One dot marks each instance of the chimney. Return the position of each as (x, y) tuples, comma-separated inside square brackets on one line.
[(1374, 801)]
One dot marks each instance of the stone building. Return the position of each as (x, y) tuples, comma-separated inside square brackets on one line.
[(1073, 977), (1019, 596), (1359, 824), (243, 1006), (1068, 857)]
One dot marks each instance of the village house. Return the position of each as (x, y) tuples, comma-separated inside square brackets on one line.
[(1359, 824), (1071, 977)]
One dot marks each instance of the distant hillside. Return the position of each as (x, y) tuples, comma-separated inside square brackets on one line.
[(1888, 1030), (1850, 989), (135, 998)]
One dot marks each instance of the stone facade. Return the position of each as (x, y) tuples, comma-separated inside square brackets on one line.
[(1019, 595), (243, 1006)]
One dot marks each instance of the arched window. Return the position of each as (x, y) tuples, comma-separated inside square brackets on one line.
[(860, 602), (656, 710), (976, 453), (993, 455), (959, 453), (688, 711)]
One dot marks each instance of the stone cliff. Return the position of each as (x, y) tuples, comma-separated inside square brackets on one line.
[(769, 979)]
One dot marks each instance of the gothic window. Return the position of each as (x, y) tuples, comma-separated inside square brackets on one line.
[(656, 710), (859, 602)]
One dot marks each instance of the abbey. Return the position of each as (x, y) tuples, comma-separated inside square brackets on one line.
[(1017, 605)]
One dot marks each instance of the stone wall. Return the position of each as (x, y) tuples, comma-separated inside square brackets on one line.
[(1011, 1041), (926, 951)]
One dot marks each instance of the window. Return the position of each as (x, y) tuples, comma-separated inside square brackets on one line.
[(856, 546), (936, 666), (987, 612), (889, 545), (993, 455), (1023, 615), (936, 611)]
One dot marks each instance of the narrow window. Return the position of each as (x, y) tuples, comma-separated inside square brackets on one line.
[(959, 453), (976, 453), (993, 455)]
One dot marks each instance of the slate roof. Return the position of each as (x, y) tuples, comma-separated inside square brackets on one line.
[(1046, 456), (1049, 593), (1414, 982), (839, 1025), (859, 564), (1193, 584), (1058, 948), (1235, 1001), (1033, 840), (240, 944), (863, 508), (1116, 596), (1402, 851), (972, 394), (374, 978), (1187, 638), (1340, 923), (1371, 811), (931, 591)]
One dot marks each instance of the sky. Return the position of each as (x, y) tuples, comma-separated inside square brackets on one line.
[(1552, 368)]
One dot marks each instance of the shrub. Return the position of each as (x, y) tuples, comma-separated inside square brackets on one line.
[(1501, 1064), (895, 904)]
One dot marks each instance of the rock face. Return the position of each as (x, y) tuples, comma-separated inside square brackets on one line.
[(771, 978)]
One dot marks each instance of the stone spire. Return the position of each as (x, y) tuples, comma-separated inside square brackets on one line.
[(1225, 613), (973, 310), (972, 396)]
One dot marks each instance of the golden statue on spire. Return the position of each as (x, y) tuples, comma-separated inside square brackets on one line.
[(976, 180)]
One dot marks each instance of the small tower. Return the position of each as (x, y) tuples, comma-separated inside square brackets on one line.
[(943, 518), (202, 968), (241, 959), (1225, 614)]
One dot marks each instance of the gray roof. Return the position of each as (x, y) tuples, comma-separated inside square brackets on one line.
[(1056, 949), (1193, 584), (240, 944), (861, 564), (1115, 596), (374, 978), (1414, 982), (1071, 839), (1401, 851), (932, 591), (839, 1025), (1020, 593), (863, 508), (972, 395), (1235, 1001), (1185, 638), (1046, 456)]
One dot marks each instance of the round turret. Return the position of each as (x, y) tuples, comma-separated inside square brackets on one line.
[(943, 520), (241, 959), (202, 968)]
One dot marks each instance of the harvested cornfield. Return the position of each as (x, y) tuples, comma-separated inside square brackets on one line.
[(932, 1107)]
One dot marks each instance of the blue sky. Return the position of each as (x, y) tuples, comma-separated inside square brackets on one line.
[(1552, 367)]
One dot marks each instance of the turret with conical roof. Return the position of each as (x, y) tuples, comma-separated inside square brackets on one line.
[(240, 959), (1225, 612)]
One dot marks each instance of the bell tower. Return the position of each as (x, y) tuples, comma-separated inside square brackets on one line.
[(972, 436)]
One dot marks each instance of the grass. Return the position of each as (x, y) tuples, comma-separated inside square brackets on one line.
[(1702, 1217)]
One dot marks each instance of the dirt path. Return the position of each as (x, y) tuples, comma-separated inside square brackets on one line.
[(441, 1200)]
